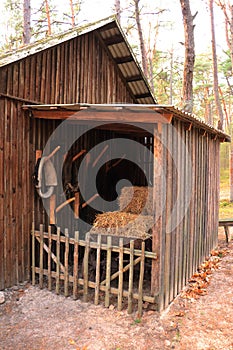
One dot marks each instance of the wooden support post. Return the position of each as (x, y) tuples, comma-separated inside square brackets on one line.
[(131, 268), (33, 255), (141, 279), (41, 256), (66, 277), (49, 259), (58, 261), (120, 280), (157, 208), (52, 206), (108, 271), (75, 269), (97, 275), (85, 268)]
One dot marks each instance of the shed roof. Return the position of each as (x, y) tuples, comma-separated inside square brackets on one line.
[(135, 113), (113, 39)]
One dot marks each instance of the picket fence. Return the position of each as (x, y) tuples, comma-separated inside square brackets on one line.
[(62, 264)]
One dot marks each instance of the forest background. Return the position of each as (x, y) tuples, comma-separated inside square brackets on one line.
[(159, 33)]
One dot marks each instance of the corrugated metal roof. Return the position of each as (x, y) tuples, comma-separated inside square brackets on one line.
[(115, 42), (138, 108)]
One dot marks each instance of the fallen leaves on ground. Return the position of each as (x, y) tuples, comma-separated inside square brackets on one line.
[(200, 280)]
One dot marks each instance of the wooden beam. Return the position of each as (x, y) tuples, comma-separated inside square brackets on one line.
[(108, 116), (203, 132), (147, 94), (116, 39), (124, 59), (157, 230), (133, 78), (188, 126)]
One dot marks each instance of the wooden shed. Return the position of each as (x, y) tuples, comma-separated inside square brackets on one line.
[(88, 80)]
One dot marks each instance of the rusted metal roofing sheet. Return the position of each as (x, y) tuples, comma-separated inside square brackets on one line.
[(113, 39)]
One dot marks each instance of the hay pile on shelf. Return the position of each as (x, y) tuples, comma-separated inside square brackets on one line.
[(123, 224), (141, 202)]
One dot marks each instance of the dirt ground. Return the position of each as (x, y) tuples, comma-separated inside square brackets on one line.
[(32, 318)]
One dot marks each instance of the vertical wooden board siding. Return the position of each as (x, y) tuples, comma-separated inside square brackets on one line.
[(157, 207), (2, 198), (175, 247), (9, 89), (217, 184), (188, 194), (183, 189), (173, 238), (168, 209), (180, 180)]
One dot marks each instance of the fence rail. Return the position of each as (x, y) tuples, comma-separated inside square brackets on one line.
[(89, 268)]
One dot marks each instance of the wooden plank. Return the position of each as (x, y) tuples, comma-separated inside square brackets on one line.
[(49, 258), (85, 268), (131, 275), (97, 274), (173, 272), (141, 280), (166, 284), (2, 194), (82, 243), (58, 261), (66, 282), (92, 115), (157, 209), (120, 280), (108, 271), (75, 267), (33, 256), (41, 256), (91, 284), (52, 207)]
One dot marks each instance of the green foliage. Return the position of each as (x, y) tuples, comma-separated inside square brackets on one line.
[(14, 25)]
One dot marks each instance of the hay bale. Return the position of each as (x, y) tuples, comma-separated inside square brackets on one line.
[(141, 200), (123, 225)]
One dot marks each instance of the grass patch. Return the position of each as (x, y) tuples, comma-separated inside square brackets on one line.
[(224, 183), (225, 209)]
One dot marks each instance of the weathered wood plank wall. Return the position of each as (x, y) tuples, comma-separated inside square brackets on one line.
[(190, 242), (75, 71)]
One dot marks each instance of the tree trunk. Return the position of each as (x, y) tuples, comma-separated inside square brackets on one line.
[(47, 10), (118, 9), (26, 21), (228, 15), (215, 67), (189, 56), (141, 40), (72, 13)]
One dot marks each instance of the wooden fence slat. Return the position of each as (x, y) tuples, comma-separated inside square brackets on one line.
[(49, 259), (46, 248), (58, 261), (33, 255), (66, 282), (141, 278), (108, 271), (131, 267), (85, 267), (41, 256), (97, 277), (62, 272), (126, 268), (75, 268), (120, 280)]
